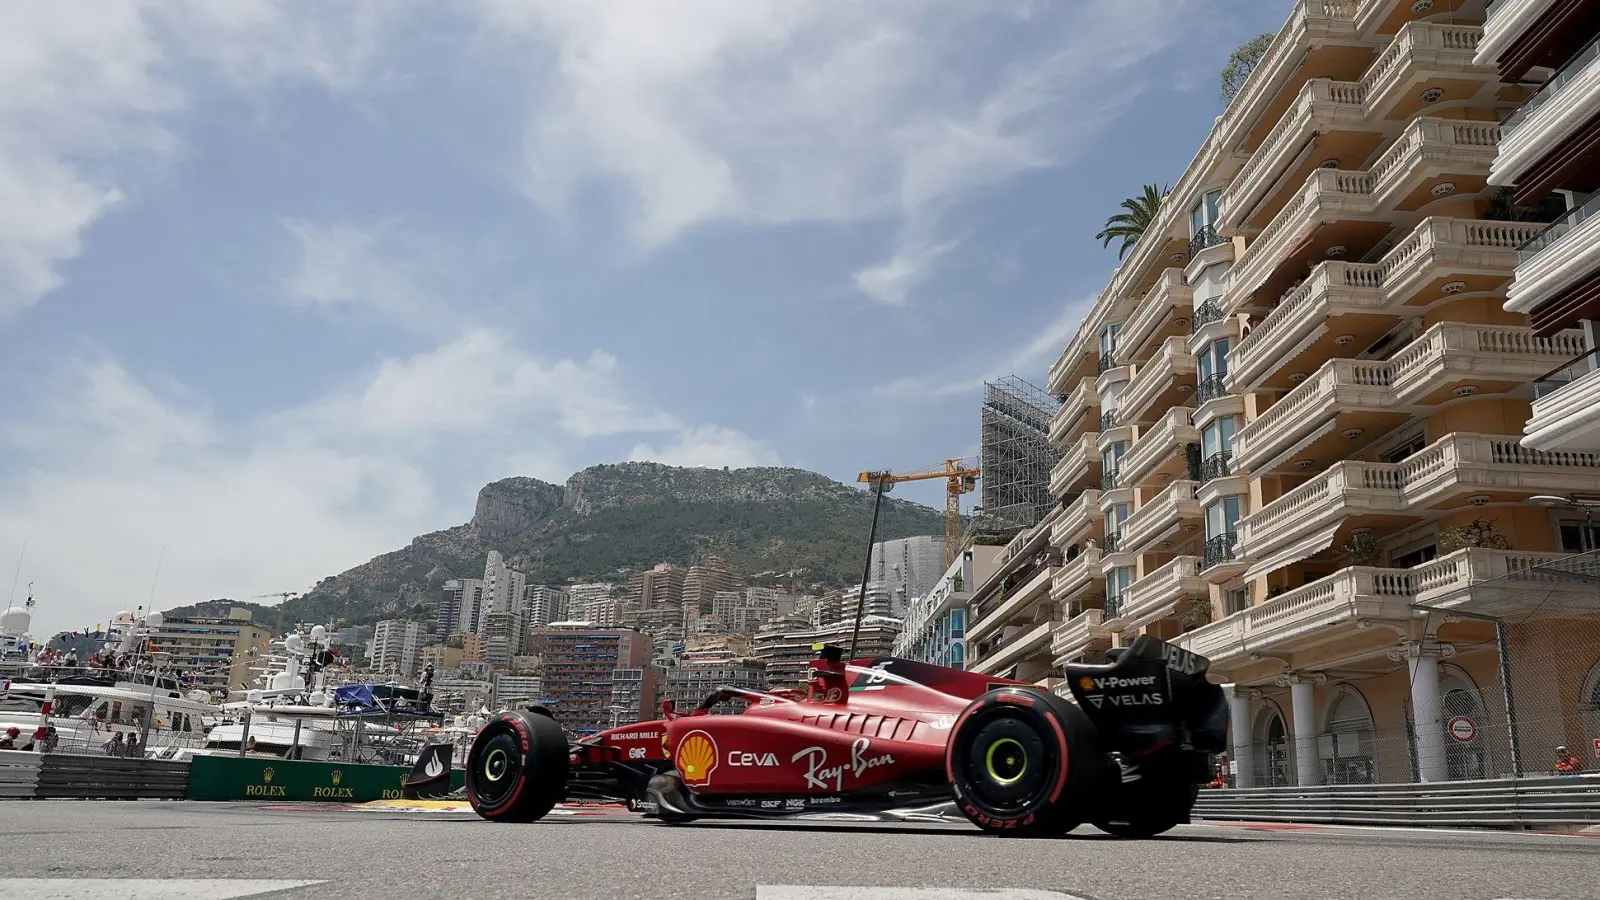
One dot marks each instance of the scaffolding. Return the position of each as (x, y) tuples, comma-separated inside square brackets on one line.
[(1015, 455)]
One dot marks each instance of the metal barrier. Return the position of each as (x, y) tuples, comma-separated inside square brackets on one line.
[(1536, 802), (59, 777)]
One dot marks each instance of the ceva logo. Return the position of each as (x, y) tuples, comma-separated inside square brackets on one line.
[(736, 758)]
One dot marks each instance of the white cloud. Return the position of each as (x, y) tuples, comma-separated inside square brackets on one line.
[(88, 102), (817, 110), (105, 471), (709, 446)]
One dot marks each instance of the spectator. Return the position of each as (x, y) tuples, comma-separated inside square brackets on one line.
[(114, 747), (9, 742), (1567, 763), (48, 743)]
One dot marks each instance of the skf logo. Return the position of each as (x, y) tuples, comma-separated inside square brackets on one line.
[(337, 775), (697, 757), (1086, 683), (266, 775)]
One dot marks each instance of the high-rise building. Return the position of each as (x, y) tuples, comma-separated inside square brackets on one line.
[(1294, 413), (595, 602), (214, 649), (543, 604), (785, 646), (397, 647), (935, 625), (578, 665), (660, 586), (502, 638), (909, 566), (688, 684), (502, 588), (1547, 163), (704, 579), (459, 606)]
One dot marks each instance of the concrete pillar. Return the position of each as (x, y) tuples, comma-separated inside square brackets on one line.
[(1242, 757), (1307, 769), (1426, 710)]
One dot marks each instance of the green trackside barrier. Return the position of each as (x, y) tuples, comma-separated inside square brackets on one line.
[(254, 778)]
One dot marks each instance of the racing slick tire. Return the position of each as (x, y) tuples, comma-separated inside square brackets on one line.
[(1146, 809), (517, 767), (1023, 762)]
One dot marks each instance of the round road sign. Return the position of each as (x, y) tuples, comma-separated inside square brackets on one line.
[(1462, 729)]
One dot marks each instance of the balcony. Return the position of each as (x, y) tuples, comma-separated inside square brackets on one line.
[(1425, 56), (1222, 551), (1158, 594), (1562, 106), (1077, 521), (1505, 21), (1159, 451), (1076, 636), (1561, 257), (1429, 153), (1016, 648), (1206, 313), (1077, 575), (1566, 407), (1160, 383), (1322, 107), (1207, 237), (1493, 467), (1328, 196), (1161, 517), (1362, 300), (1015, 604), (1309, 422), (1081, 410), (1079, 467), (1169, 300), (1315, 27), (1330, 609)]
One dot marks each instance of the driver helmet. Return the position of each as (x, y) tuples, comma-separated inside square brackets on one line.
[(13, 731)]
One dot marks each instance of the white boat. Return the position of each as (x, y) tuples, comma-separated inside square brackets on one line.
[(88, 716)]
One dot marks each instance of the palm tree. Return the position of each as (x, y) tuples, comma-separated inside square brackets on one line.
[(1129, 225)]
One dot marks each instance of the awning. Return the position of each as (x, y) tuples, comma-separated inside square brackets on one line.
[(1304, 548)]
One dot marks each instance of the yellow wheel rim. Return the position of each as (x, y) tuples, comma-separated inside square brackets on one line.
[(1006, 756)]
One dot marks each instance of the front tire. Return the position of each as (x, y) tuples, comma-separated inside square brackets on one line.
[(517, 768), (1023, 762)]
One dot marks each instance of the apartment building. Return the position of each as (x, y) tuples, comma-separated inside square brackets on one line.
[(1013, 613), (579, 670), (216, 650), (1294, 414), (396, 647), (705, 579), (1550, 154), (543, 604), (909, 566), (936, 623)]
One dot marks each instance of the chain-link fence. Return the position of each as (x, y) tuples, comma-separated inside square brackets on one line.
[(1543, 715)]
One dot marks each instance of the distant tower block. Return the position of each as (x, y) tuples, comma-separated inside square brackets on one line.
[(1015, 453)]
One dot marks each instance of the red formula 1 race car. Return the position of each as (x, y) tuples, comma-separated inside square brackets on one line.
[(890, 737)]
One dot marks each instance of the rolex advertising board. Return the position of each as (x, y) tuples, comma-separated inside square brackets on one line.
[(256, 778)]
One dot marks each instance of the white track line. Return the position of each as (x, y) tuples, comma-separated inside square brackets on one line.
[(832, 892), (144, 888)]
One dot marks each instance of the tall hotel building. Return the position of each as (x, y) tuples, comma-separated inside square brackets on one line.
[(1293, 424)]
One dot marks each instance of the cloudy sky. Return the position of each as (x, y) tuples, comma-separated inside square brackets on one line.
[(283, 283)]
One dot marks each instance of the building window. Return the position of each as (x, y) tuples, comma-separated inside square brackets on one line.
[(1204, 213), (1349, 749), (1117, 581), (1415, 557), (1222, 527), (958, 623), (1216, 448), (1405, 449), (1236, 600), (1212, 371), (1579, 537)]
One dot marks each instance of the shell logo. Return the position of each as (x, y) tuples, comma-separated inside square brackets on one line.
[(697, 756), (1086, 683)]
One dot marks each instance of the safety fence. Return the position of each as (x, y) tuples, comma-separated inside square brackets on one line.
[(1560, 801), (60, 777)]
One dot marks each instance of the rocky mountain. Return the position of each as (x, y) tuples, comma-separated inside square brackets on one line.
[(609, 520)]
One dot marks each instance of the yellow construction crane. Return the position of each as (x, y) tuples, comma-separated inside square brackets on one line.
[(961, 476)]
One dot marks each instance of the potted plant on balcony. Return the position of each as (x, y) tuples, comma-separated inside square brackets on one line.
[(1477, 533), (1363, 548), (1196, 613), (956, 582)]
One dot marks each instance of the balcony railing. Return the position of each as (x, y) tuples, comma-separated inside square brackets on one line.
[(1113, 542), (1108, 480), (1108, 362), (1217, 465), (1206, 313), (1221, 548), (1210, 388), (1113, 606), (1553, 381), (1558, 229), (1205, 237), (1551, 88), (1108, 420)]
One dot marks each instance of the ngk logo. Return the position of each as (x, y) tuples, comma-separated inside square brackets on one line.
[(1112, 682)]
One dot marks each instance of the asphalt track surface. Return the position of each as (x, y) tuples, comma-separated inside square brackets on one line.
[(339, 852)]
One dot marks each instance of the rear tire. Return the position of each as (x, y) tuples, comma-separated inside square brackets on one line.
[(517, 768), (1023, 762), (1146, 810)]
